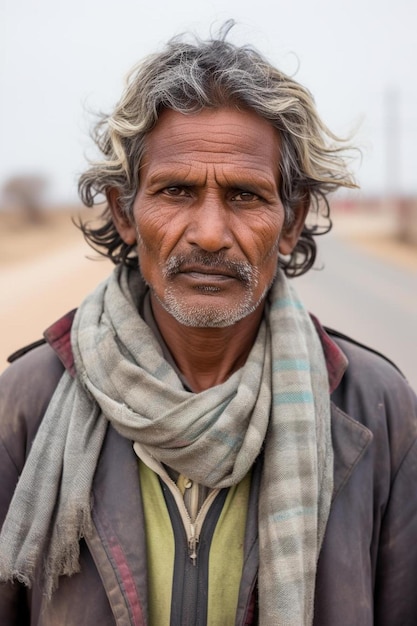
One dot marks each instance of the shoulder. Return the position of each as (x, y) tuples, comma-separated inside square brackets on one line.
[(369, 371), (360, 352), (26, 387), (371, 375)]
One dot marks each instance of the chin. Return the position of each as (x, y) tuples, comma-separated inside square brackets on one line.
[(208, 316)]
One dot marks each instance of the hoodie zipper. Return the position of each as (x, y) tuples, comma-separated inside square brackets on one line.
[(192, 528), (192, 549)]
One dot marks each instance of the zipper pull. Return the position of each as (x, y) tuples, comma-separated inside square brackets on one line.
[(192, 546)]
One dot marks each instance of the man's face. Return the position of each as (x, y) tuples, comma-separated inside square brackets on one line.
[(207, 218)]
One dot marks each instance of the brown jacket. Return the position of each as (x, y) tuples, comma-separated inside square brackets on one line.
[(367, 572)]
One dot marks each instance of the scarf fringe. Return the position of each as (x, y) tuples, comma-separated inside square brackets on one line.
[(66, 561)]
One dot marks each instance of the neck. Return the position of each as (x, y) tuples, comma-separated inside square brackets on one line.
[(207, 356)]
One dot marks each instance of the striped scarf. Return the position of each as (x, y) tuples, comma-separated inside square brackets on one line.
[(277, 404)]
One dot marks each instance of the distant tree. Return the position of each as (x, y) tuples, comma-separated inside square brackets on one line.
[(407, 220), (26, 192)]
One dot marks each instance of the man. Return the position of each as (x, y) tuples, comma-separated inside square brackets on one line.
[(192, 446)]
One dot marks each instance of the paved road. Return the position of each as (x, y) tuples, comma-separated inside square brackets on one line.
[(366, 298)]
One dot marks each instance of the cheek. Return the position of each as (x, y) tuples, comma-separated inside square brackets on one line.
[(263, 243), (158, 231), (150, 233), (269, 267), (150, 266)]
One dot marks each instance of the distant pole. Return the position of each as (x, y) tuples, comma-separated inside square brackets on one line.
[(392, 142)]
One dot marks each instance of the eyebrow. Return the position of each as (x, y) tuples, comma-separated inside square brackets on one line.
[(254, 183)]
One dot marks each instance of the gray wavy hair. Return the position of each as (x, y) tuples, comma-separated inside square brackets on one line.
[(188, 77)]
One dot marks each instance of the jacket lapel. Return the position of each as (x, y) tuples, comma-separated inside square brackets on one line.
[(350, 440)]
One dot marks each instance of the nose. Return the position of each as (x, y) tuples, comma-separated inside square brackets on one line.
[(209, 227)]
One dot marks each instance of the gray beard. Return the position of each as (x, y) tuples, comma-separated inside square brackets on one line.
[(209, 316)]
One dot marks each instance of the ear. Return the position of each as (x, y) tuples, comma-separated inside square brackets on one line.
[(124, 225), (291, 233)]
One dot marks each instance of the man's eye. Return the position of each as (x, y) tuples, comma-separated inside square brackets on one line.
[(245, 196), (174, 191)]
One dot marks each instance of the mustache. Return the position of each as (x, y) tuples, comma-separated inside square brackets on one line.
[(242, 270)]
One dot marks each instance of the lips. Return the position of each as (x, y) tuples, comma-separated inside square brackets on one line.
[(204, 271)]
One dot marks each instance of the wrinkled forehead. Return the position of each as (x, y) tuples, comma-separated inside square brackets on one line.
[(227, 134)]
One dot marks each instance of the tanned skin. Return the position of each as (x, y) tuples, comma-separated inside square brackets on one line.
[(209, 189)]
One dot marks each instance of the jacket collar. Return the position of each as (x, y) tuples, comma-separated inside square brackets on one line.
[(336, 360), (59, 338)]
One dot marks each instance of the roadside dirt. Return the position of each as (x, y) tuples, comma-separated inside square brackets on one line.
[(45, 271), (21, 241), (376, 235), (388, 248)]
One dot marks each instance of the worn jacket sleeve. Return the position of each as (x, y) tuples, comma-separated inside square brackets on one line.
[(379, 501), (25, 390), (396, 567)]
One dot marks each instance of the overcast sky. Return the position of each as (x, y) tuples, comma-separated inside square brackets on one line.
[(60, 60)]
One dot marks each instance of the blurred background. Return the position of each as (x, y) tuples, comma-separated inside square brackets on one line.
[(62, 62)]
